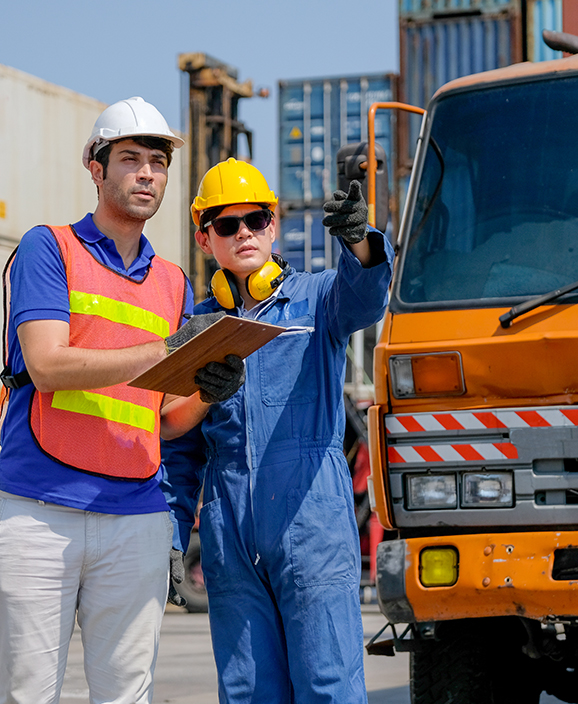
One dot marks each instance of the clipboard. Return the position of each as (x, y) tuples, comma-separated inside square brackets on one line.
[(230, 335)]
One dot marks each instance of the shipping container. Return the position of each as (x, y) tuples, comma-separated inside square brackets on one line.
[(305, 243), (542, 14), (434, 8), (441, 40), (317, 116), (435, 51), (43, 130)]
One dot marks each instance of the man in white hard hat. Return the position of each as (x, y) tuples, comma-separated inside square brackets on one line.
[(84, 526)]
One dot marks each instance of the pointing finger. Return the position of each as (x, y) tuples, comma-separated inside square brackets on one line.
[(354, 191)]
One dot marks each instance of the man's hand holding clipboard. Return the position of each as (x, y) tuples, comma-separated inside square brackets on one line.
[(229, 335)]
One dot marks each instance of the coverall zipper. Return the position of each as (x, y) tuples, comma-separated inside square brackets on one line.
[(249, 430)]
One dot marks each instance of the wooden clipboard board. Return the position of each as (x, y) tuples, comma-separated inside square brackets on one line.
[(229, 335)]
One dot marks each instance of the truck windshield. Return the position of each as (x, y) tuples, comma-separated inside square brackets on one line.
[(496, 215)]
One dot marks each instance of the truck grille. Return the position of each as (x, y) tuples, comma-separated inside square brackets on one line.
[(538, 445)]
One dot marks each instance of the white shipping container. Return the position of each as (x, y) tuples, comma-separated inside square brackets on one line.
[(43, 130)]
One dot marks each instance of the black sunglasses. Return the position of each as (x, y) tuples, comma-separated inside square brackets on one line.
[(229, 225)]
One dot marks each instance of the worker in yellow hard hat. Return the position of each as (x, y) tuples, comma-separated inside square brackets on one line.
[(280, 546)]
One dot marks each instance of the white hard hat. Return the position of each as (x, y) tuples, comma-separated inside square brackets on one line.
[(127, 118)]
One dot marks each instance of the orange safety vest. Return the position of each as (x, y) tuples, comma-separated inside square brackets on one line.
[(112, 432)]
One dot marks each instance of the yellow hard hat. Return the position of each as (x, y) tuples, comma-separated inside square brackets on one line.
[(232, 182)]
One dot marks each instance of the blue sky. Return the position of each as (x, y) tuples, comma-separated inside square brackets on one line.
[(114, 49)]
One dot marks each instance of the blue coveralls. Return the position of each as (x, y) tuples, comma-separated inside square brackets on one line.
[(280, 545)]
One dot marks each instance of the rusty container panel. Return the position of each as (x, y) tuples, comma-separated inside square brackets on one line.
[(435, 51), (570, 16), (431, 8)]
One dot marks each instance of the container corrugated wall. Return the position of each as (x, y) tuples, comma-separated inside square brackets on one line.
[(306, 244), (542, 14), (445, 39), (435, 51), (316, 118), (428, 8), (43, 130)]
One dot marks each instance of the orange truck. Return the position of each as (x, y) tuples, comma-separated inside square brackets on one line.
[(474, 433)]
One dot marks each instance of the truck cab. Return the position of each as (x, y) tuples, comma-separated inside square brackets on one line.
[(474, 432)]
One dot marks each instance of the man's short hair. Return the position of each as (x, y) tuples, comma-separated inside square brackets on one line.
[(164, 145)]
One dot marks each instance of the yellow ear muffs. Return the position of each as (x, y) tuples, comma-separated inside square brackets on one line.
[(224, 288), (259, 282), (262, 283)]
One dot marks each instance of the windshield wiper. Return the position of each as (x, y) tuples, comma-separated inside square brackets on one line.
[(527, 306)]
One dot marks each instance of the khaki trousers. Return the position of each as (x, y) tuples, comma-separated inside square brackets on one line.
[(108, 571)]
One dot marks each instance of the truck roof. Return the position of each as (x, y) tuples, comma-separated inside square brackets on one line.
[(514, 72)]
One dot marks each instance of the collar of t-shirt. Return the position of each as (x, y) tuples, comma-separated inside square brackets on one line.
[(105, 251)]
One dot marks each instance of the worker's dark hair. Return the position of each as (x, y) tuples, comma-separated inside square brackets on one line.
[(164, 145), (212, 213)]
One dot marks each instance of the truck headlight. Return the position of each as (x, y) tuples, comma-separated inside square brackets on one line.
[(425, 491), (491, 490), (423, 375)]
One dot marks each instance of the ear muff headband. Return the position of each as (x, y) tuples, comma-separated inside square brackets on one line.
[(260, 284)]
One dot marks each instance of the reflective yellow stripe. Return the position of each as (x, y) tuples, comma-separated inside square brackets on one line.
[(118, 312), (112, 409)]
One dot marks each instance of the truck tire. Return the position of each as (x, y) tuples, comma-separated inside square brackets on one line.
[(193, 587), (468, 665)]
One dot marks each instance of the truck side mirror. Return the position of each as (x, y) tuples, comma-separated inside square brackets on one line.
[(352, 164), (560, 41)]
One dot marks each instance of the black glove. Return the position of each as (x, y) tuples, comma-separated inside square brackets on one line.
[(219, 380), (177, 574), (191, 329), (347, 214)]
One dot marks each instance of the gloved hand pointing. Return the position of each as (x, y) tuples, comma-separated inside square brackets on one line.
[(191, 329), (219, 381), (176, 575), (347, 216)]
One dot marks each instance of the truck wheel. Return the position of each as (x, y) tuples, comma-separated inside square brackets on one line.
[(467, 665), (193, 587)]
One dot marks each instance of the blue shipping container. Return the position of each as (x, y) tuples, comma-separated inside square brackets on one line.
[(317, 117), (305, 243), (543, 14), (436, 51), (442, 47)]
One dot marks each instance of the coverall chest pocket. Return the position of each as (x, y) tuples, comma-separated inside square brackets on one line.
[(287, 365)]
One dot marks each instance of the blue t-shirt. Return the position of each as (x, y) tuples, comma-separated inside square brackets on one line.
[(39, 291)]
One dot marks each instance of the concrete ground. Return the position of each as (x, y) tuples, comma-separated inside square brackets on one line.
[(185, 672)]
